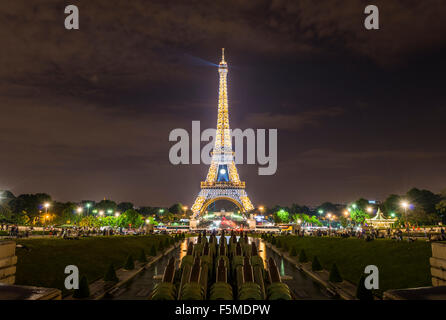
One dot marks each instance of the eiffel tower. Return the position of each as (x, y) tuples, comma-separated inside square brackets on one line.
[(222, 181)]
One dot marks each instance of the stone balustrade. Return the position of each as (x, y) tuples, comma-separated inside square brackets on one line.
[(8, 261), (438, 264)]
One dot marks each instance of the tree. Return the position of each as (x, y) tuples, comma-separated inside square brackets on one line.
[(314, 220), (129, 264), (358, 215), (328, 207), (391, 204), (89, 221), (131, 218), (362, 203), (84, 289), (177, 208), (106, 205), (65, 212), (335, 275), (283, 215), (29, 204), (441, 209), (110, 274), (124, 206), (424, 198), (316, 265), (418, 215), (146, 211)]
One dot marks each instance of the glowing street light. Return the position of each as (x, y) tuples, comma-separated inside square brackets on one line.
[(101, 212), (354, 206), (88, 205), (369, 209), (79, 210), (261, 208), (320, 211), (46, 205), (405, 205), (117, 214), (329, 215), (346, 213)]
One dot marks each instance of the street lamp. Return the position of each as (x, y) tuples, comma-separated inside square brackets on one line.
[(369, 209), (405, 205), (184, 209), (117, 214), (329, 220), (88, 205), (79, 210), (46, 205), (101, 212)]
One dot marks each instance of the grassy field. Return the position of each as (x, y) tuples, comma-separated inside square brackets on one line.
[(400, 264), (44, 262)]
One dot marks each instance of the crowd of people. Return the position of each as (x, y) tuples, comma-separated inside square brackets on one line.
[(14, 231), (369, 234)]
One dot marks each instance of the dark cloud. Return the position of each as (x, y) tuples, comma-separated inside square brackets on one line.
[(86, 114)]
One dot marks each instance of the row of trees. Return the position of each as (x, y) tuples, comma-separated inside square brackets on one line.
[(29, 209), (423, 207)]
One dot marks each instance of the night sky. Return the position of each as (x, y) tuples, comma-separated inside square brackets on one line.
[(86, 114)]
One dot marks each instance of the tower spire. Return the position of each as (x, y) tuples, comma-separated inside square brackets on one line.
[(223, 55)]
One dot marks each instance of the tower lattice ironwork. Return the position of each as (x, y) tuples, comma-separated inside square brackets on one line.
[(222, 181)]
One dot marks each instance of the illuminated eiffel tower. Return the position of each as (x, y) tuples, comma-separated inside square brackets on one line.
[(222, 181)]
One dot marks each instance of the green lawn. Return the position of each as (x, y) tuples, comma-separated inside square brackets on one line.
[(45, 262), (400, 264)]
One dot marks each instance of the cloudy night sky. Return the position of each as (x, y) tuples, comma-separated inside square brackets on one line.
[(86, 114)]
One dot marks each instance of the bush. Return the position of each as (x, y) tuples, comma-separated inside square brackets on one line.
[(273, 240), (84, 289), (278, 243), (302, 256), (316, 265), (142, 256), (335, 276), (161, 246), (285, 246), (152, 251), (129, 264), (110, 275), (362, 293), (293, 251)]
